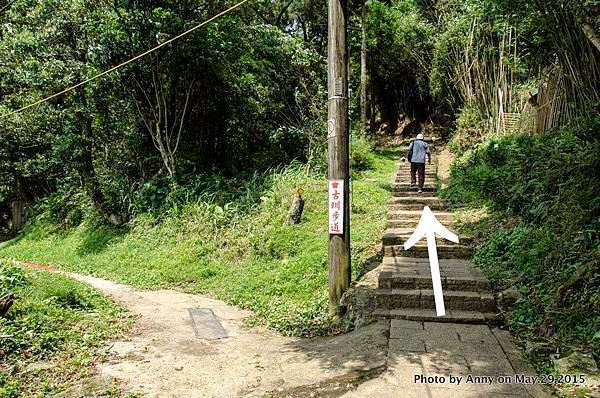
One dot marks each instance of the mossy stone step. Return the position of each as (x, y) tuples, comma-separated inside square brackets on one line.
[(416, 206), (401, 280), (429, 315), (424, 262), (411, 223), (397, 236), (444, 250), (424, 299)]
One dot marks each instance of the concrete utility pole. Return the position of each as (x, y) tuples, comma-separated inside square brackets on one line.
[(338, 145)]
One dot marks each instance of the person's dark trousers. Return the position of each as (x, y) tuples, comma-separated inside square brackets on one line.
[(414, 168)]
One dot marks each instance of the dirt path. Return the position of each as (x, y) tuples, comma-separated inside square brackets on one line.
[(163, 358)]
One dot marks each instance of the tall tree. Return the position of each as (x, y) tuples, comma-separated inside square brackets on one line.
[(363, 67)]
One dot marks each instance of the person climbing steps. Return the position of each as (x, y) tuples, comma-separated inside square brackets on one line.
[(416, 156)]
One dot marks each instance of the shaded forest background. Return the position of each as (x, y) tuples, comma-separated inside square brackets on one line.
[(247, 93)]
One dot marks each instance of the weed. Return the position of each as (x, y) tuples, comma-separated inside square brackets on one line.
[(54, 320)]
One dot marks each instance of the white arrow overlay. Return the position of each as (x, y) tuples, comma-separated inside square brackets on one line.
[(429, 226)]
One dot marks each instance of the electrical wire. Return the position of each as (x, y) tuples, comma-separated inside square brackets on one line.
[(114, 68), (6, 6)]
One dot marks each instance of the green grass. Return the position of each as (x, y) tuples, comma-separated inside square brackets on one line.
[(54, 321), (540, 232), (245, 256)]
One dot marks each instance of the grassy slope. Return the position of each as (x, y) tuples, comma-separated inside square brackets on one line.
[(540, 230), (54, 319), (251, 259)]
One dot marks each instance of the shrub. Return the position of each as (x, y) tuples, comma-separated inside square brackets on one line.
[(11, 277), (470, 129), (543, 235), (361, 154)]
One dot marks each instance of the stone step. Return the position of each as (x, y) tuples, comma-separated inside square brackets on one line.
[(392, 299), (415, 214), (454, 283), (413, 193), (405, 174), (435, 206), (454, 263), (411, 222), (426, 194), (444, 250), (405, 170), (405, 177), (425, 200), (429, 315), (405, 187), (428, 167), (417, 277), (397, 236), (429, 182)]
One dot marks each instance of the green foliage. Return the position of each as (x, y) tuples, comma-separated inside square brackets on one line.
[(11, 277), (433, 59), (247, 92), (471, 128), (473, 43), (361, 154), (254, 94), (231, 243), (543, 234), (54, 319), (400, 42)]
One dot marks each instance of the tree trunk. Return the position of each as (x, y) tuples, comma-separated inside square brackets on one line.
[(294, 215), (17, 208), (5, 303), (372, 111), (86, 169), (363, 70)]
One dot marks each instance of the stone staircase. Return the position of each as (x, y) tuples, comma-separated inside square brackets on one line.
[(404, 288)]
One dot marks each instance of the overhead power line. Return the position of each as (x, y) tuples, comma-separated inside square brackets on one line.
[(114, 68), (6, 6)]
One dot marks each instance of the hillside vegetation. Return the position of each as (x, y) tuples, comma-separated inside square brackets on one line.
[(240, 251), (533, 202)]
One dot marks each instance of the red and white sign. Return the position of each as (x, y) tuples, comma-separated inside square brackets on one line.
[(336, 207)]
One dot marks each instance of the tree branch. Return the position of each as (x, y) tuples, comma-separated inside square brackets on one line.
[(283, 10), (261, 16), (187, 100)]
